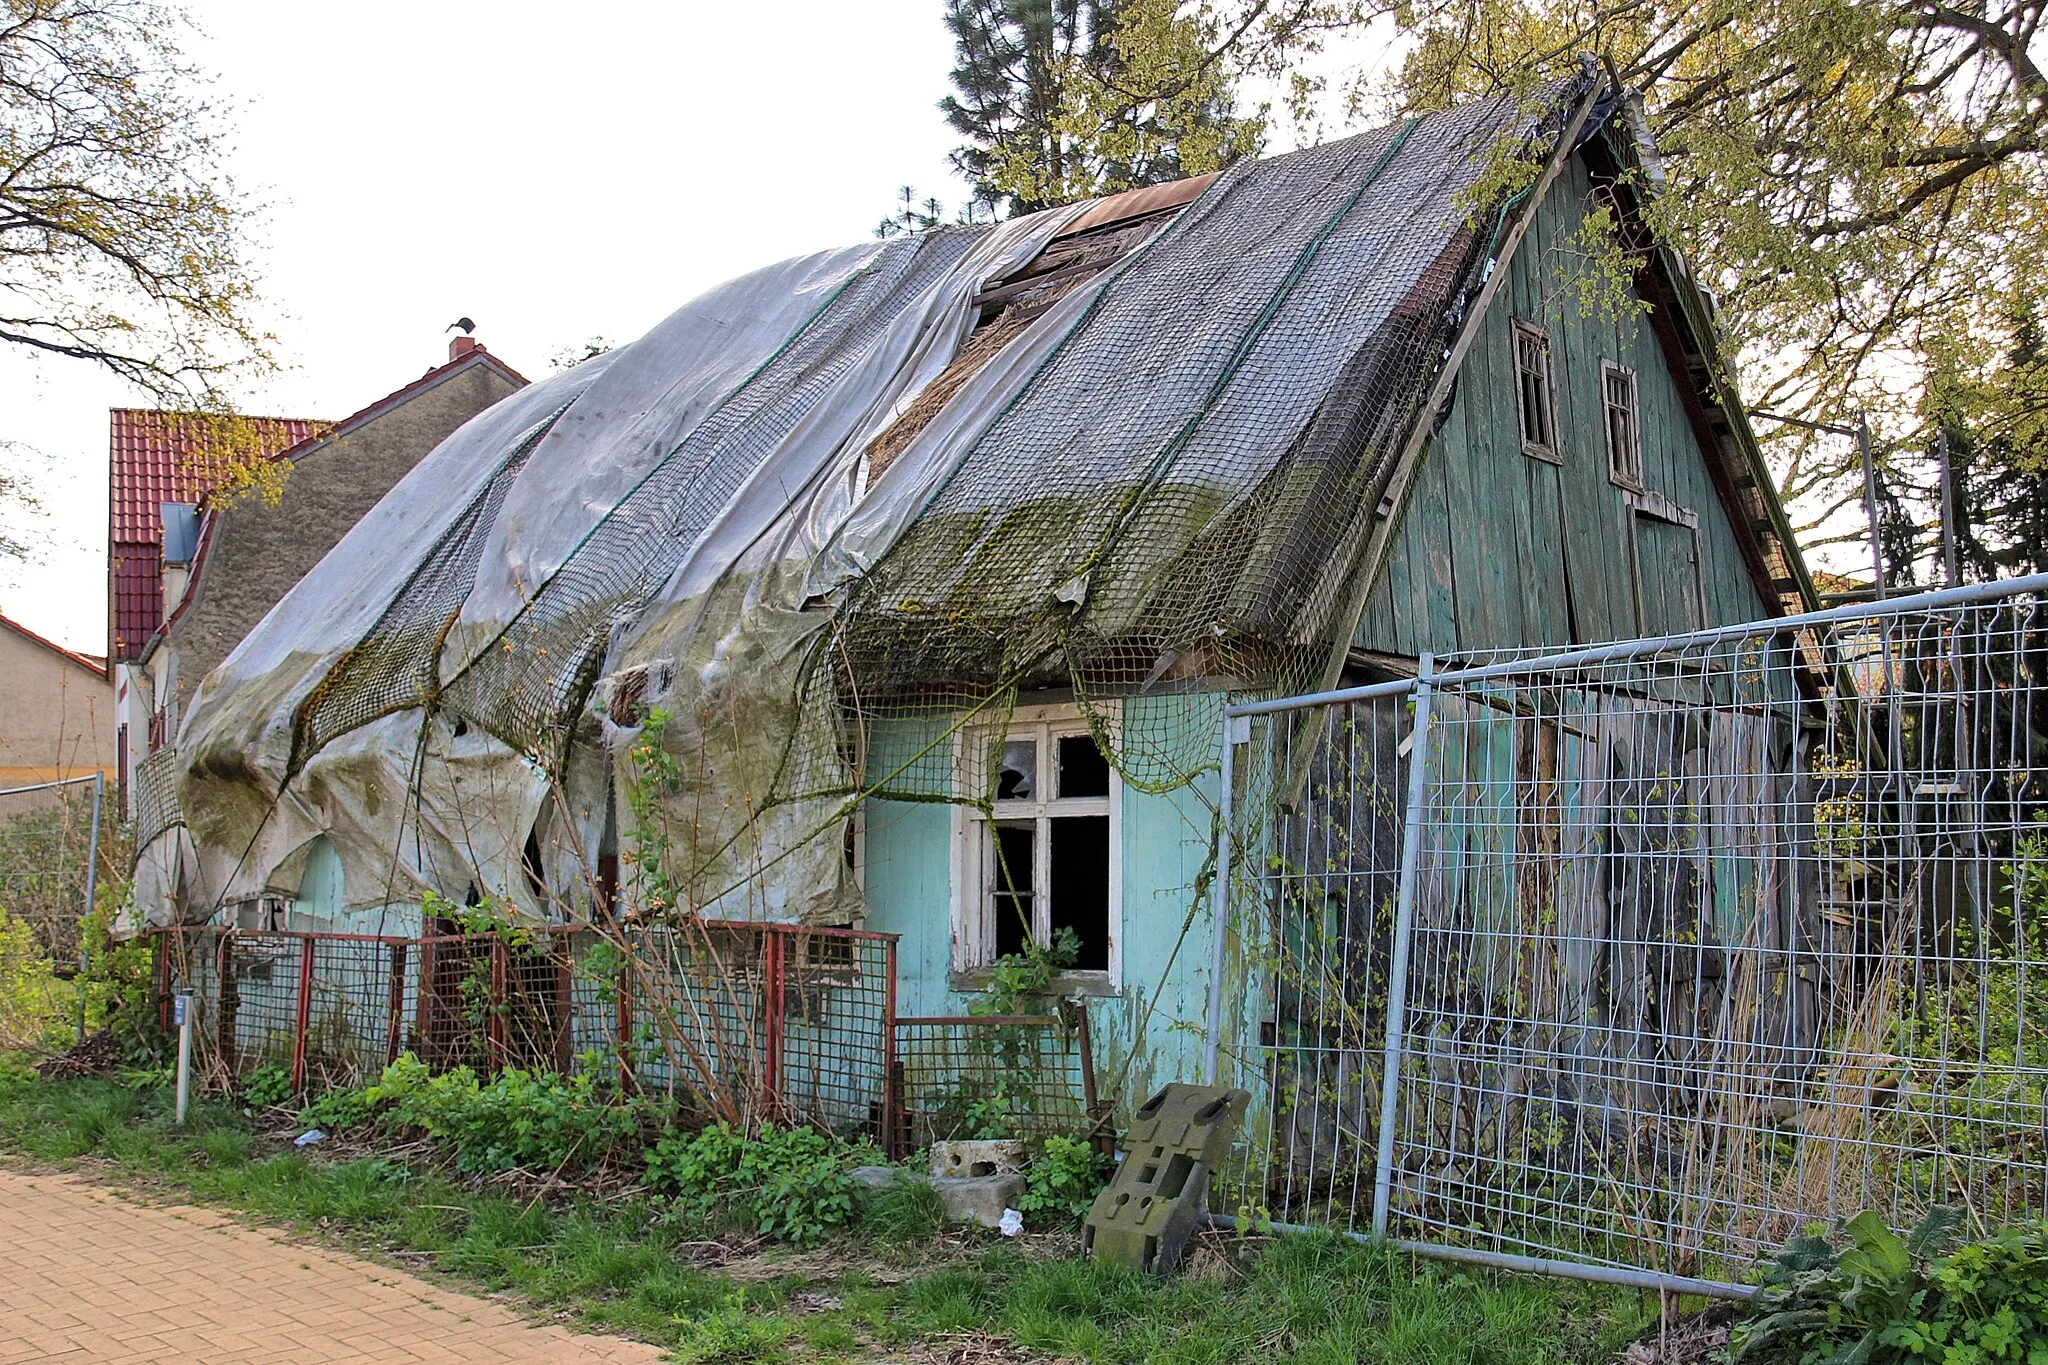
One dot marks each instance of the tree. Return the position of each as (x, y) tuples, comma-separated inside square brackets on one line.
[(121, 238), (1995, 421), (1062, 100), (1860, 181)]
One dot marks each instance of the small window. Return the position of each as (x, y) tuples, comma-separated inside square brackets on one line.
[(1624, 433), (1533, 398), (1043, 865)]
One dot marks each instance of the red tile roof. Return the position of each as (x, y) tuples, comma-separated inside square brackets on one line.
[(152, 461), (92, 663)]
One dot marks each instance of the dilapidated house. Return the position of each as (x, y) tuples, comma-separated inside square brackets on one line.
[(903, 584)]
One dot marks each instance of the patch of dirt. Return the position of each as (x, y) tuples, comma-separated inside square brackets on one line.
[(98, 1055), (1692, 1340), (962, 1348)]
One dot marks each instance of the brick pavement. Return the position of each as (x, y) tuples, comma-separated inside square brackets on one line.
[(86, 1275)]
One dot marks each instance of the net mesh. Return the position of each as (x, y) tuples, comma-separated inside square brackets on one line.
[(528, 685), (396, 665), (1166, 498), (1150, 470)]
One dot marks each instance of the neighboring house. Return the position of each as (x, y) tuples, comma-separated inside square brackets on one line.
[(158, 469), (56, 711), (904, 585), (188, 594)]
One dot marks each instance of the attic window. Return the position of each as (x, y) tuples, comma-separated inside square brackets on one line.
[(1533, 399), (1624, 431)]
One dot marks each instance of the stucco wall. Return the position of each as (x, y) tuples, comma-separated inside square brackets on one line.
[(1150, 1030), (257, 553), (56, 716)]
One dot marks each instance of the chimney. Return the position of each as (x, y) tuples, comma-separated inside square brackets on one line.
[(462, 346)]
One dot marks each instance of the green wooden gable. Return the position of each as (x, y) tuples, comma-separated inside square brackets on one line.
[(1498, 548)]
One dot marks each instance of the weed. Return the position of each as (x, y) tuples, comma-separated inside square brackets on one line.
[(907, 1209), (613, 1266), (786, 1183), (268, 1085), (1063, 1182), (1882, 1299)]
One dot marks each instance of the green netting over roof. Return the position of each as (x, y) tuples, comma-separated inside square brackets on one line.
[(1153, 479)]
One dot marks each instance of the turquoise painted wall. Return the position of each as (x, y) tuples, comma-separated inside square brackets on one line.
[(1149, 1031), (1499, 549)]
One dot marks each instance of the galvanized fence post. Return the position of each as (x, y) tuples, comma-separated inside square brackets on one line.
[(1236, 729), (1404, 927)]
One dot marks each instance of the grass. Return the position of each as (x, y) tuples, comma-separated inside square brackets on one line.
[(622, 1267)]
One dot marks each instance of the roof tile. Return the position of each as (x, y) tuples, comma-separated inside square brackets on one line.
[(152, 460)]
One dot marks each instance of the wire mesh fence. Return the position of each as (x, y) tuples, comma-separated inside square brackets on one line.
[(1648, 956), (978, 1076), (733, 1021), (58, 845)]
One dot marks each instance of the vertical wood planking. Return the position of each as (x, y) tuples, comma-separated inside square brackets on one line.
[(1497, 549)]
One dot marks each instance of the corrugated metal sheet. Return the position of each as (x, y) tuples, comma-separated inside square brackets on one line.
[(1139, 202)]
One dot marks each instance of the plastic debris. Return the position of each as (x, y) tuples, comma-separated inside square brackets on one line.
[(309, 1137), (1012, 1223)]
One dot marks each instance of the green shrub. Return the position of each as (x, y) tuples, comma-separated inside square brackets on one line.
[(787, 1183), (1880, 1299), (337, 1111), (520, 1119), (268, 1085), (1064, 1180)]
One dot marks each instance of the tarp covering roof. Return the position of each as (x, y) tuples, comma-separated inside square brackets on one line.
[(1141, 481)]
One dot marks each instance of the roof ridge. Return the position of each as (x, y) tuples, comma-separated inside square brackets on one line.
[(84, 661)]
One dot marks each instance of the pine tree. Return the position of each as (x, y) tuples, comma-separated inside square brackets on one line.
[(1060, 100)]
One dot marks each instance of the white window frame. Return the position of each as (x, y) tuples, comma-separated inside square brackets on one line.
[(1624, 466), (1552, 452), (974, 868)]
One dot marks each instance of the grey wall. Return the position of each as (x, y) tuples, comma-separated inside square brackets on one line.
[(257, 553)]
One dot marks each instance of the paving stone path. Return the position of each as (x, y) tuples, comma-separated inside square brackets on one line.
[(87, 1275)]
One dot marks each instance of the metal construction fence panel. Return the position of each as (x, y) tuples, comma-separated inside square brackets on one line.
[(1644, 957), (733, 1020)]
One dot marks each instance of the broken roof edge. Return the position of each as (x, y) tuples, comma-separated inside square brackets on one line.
[(1142, 202)]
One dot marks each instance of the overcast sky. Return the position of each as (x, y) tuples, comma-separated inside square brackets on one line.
[(555, 172)]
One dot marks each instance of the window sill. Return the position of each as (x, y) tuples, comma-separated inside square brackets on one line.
[(974, 981), (1543, 453)]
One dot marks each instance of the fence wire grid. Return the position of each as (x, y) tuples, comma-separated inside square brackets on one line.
[(735, 1021), (994, 1076), (1651, 955)]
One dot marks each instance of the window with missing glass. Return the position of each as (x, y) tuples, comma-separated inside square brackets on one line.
[(1624, 428), (1535, 403), (1041, 865)]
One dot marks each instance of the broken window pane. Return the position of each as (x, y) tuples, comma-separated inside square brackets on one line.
[(1018, 779), (1013, 850), (1079, 892), (1083, 769)]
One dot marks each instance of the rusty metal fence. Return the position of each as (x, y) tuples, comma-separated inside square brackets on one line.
[(732, 1020), (1633, 960), (1007, 1075)]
